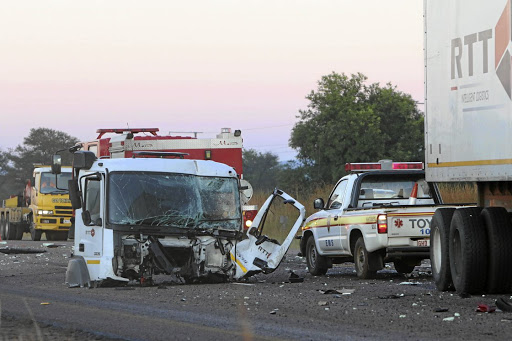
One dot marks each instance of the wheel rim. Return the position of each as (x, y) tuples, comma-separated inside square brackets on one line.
[(436, 249), (360, 259), (312, 256)]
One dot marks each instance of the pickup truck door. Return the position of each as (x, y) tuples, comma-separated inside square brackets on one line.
[(269, 237), (330, 231)]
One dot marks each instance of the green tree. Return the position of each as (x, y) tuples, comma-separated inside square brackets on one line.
[(349, 121), (38, 147), (260, 169)]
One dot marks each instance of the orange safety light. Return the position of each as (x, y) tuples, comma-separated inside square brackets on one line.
[(351, 167), (407, 165)]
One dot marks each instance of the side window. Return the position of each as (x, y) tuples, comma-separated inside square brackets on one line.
[(93, 200), (336, 199)]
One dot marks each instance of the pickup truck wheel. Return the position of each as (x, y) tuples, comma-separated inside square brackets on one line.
[(404, 266), (468, 251), (35, 234), (317, 265), (499, 234), (439, 255), (362, 260)]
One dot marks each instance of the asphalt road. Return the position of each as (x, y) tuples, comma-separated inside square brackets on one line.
[(35, 304)]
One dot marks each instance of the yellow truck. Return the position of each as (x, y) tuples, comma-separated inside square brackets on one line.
[(43, 207)]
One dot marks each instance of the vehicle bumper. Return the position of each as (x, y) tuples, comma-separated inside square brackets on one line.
[(419, 252)]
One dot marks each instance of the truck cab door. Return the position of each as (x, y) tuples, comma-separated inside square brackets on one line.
[(269, 237), (90, 221)]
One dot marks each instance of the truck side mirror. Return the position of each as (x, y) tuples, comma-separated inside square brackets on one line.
[(318, 204), (86, 218), (56, 164), (74, 194)]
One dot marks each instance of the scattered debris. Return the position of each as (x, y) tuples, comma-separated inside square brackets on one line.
[(323, 303), (8, 250), (52, 245), (273, 312), (238, 283), (441, 310), (402, 316), (294, 278), (449, 319), (395, 296), (45, 303), (504, 305), (410, 283), (336, 291)]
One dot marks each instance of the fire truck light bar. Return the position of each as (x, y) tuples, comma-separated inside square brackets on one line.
[(359, 167), (102, 132)]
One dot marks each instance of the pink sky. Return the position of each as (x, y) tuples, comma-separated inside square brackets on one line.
[(194, 65)]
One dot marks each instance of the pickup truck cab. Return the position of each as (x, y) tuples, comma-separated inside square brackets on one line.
[(371, 218)]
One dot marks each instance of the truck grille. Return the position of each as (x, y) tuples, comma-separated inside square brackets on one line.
[(64, 212)]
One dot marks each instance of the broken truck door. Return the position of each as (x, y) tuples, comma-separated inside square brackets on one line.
[(264, 248), (90, 239)]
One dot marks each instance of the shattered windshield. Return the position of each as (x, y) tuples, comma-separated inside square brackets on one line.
[(48, 184), (175, 200)]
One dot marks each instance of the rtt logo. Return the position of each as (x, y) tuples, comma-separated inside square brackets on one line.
[(463, 48)]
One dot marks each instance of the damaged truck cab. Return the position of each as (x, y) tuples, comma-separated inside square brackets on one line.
[(136, 218)]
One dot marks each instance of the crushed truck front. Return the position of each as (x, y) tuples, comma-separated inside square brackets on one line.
[(141, 217)]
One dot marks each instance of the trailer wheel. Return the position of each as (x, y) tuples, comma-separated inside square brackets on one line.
[(499, 234), (362, 260), (468, 251), (439, 255), (317, 265), (35, 234)]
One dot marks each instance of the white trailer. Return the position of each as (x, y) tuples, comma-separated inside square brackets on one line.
[(468, 138)]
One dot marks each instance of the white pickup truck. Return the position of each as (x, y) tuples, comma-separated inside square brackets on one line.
[(371, 218)]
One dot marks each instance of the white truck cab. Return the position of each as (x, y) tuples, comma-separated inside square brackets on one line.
[(139, 217)]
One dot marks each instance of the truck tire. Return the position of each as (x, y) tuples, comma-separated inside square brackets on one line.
[(404, 266), (2, 227), (20, 229), (439, 254), (10, 230), (317, 265), (499, 236), (35, 234), (362, 260), (468, 251)]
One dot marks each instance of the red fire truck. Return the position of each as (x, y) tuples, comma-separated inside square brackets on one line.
[(226, 148)]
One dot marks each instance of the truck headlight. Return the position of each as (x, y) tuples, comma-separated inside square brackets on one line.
[(45, 212)]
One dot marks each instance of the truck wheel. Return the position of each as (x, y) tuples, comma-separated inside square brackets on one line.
[(468, 251), (404, 266), (362, 260), (499, 234), (2, 227), (35, 234), (20, 229), (317, 265), (10, 231), (61, 235), (439, 257)]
